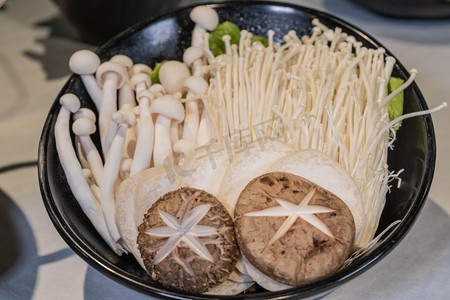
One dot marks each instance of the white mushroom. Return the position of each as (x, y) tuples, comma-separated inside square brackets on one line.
[(122, 60), (83, 128), (195, 86), (126, 95), (140, 68), (205, 18), (157, 90), (110, 76), (175, 129), (74, 173), (131, 138), (85, 64), (145, 136), (140, 81), (172, 75), (83, 113), (123, 118), (193, 56), (167, 107)]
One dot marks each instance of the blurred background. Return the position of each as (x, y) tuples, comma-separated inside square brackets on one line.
[(99, 20)]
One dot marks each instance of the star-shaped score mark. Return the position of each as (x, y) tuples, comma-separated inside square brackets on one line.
[(293, 211), (187, 231)]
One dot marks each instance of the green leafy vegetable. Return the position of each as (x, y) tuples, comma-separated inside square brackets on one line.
[(154, 75), (261, 39), (395, 106), (216, 44)]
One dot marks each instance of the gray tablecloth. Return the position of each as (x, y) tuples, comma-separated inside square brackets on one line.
[(35, 44)]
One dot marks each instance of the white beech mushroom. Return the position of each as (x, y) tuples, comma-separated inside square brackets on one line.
[(146, 133), (110, 76), (83, 128), (140, 68), (140, 81), (168, 108), (123, 118), (205, 18), (193, 57), (126, 95), (85, 64), (74, 173), (195, 86), (82, 113), (172, 75)]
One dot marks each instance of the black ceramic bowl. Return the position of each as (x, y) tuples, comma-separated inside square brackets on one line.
[(165, 37)]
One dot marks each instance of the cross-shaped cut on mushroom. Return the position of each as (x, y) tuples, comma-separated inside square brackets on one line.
[(187, 231), (292, 212)]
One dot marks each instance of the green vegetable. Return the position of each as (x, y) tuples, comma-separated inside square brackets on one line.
[(154, 75), (261, 39), (216, 44), (395, 106)]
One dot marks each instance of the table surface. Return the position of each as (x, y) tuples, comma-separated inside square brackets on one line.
[(36, 42)]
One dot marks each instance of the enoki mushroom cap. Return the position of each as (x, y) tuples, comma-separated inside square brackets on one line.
[(84, 62), (168, 106), (70, 102), (83, 127), (205, 17), (114, 68)]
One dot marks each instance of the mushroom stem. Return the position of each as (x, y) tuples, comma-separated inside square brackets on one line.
[(85, 64), (145, 136), (110, 76), (191, 121), (74, 173), (111, 170), (108, 107), (94, 91), (163, 145), (167, 107), (174, 132), (83, 128)]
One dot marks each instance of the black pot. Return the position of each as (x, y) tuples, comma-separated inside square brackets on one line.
[(166, 37)]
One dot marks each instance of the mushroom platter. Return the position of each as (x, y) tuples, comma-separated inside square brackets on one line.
[(257, 159)]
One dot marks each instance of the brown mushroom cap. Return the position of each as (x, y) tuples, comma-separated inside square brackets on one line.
[(183, 269), (303, 254)]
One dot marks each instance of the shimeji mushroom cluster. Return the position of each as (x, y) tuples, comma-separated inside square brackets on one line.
[(325, 91)]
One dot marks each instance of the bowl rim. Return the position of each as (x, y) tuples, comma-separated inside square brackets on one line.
[(391, 240)]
